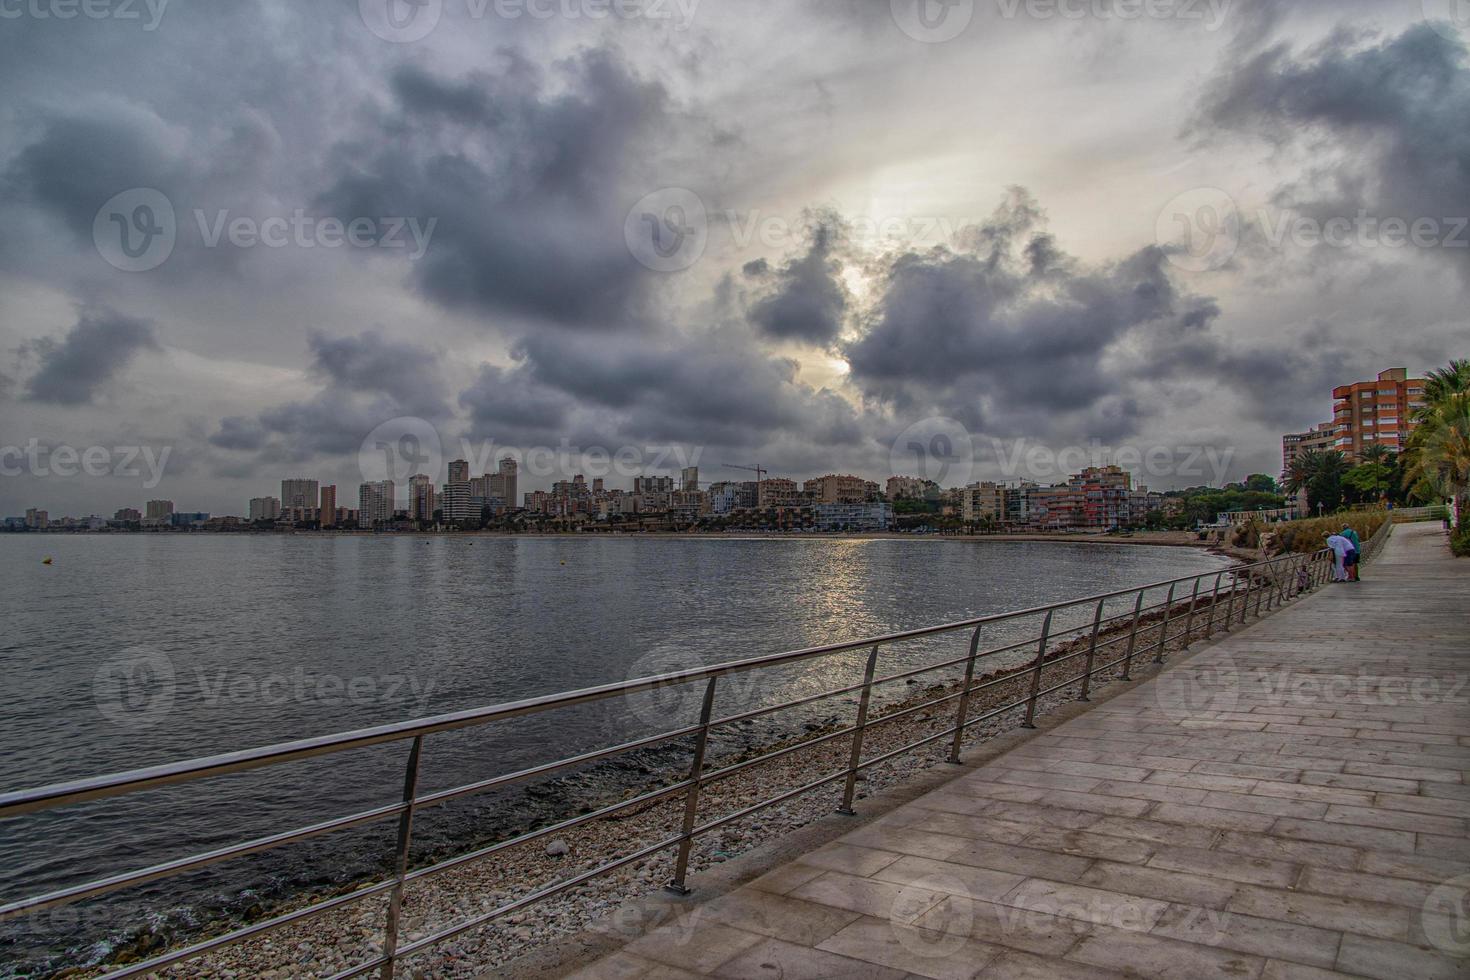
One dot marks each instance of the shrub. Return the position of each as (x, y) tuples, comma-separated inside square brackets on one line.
[(1306, 536), (1460, 541)]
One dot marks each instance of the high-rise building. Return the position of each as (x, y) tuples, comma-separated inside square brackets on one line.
[(653, 484), (1376, 413), (375, 503), (834, 489), (327, 513), (421, 502), (906, 488), (37, 519), (459, 471), (264, 508), (298, 494), (498, 486), (128, 515), (1321, 437), (158, 510), (980, 501), (689, 478), (455, 504)]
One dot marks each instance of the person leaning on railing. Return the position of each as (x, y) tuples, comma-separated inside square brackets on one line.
[(1354, 557)]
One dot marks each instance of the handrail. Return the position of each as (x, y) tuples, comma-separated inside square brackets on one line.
[(1281, 578)]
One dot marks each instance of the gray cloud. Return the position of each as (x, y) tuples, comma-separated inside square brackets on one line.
[(1006, 333), (805, 299), (367, 379), (1383, 120), (526, 175), (76, 368)]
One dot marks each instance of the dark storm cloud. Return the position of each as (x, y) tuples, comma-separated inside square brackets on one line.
[(805, 299), (1006, 332), (527, 176), (80, 161), (714, 387), (80, 365), (1385, 124), (366, 380)]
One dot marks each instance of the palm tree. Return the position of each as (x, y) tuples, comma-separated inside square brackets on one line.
[(1442, 384), (1439, 460), (1377, 453), (1319, 472)]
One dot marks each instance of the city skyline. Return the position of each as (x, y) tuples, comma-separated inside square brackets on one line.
[(1185, 269)]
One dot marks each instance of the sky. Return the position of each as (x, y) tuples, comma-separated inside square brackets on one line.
[(958, 239)]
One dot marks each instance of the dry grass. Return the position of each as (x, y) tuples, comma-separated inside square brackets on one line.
[(1306, 536)]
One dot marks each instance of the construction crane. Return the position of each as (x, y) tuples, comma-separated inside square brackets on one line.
[(757, 469), (759, 472)]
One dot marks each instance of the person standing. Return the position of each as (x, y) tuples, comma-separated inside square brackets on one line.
[(1354, 556)]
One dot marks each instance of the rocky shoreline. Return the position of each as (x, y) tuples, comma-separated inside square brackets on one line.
[(333, 941)]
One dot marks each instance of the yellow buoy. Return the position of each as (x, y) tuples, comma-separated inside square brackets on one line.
[(45, 561)]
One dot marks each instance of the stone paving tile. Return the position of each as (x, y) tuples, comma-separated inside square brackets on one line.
[(1144, 955), (1230, 867), (1324, 911), (921, 952), (1087, 844), (1297, 833), (1247, 934), (700, 951), (1375, 838), (1160, 883), (778, 916), (951, 878), (883, 898), (790, 961), (1286, 849), (1005, 925), (1152, 830), (1369, 957), (1019, 860)]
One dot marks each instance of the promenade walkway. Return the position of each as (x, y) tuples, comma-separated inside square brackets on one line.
[(1289, 804)]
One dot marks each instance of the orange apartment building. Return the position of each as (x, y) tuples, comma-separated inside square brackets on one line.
[(1377, 412)]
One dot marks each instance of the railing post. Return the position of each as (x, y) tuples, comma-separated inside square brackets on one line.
[(691, 799), (1245, 599), (856, 755), (1091, 651), (400, 859), (1030, 721), (1164, 627), (1262, 592), (1189, 620), (1132, 637), (1214, 600), (959, 721), (1229, 619)]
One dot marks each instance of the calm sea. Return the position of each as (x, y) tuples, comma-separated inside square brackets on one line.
[(131, 650)]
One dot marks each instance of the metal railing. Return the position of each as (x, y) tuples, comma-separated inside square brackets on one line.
[(1205, 602)]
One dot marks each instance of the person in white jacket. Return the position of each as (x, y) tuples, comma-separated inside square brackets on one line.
[(1340, 547)]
